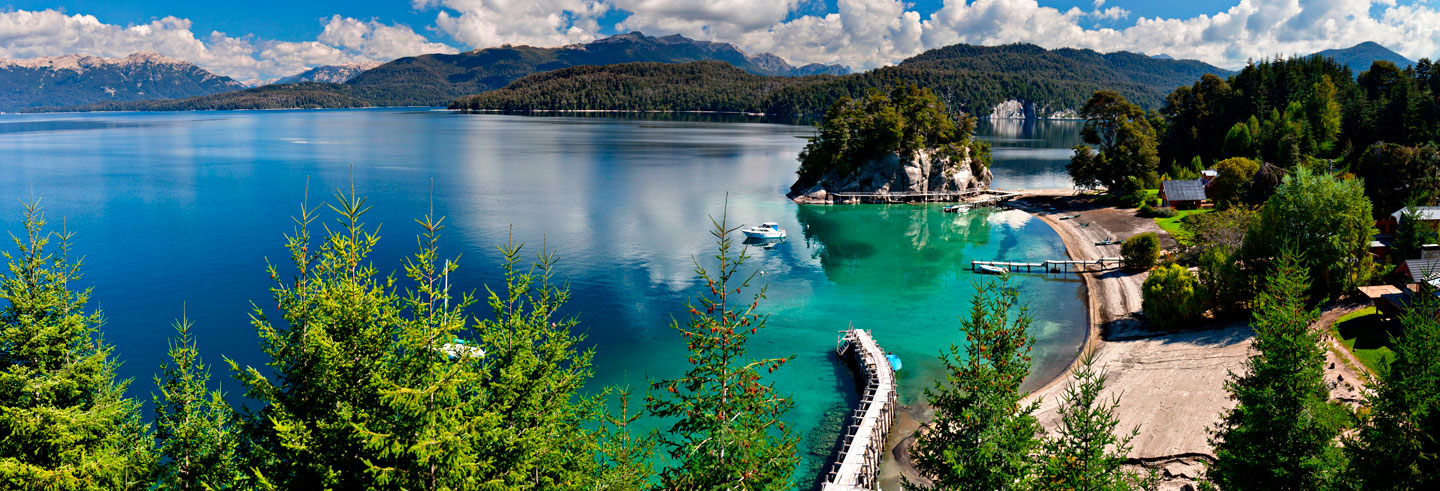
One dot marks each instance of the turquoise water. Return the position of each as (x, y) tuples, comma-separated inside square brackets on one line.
[(181, 210)]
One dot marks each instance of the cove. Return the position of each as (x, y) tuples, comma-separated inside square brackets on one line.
[(177, 211)]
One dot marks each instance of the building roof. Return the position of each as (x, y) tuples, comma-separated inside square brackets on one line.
[(1423, 270), (1184, 190), (1422, 212)]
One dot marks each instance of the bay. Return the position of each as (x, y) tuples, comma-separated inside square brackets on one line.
[(177, 213)]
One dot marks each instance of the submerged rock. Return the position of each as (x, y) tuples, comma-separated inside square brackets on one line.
[(927, 171)]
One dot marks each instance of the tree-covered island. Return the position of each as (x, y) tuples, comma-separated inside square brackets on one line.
[(903, 141)]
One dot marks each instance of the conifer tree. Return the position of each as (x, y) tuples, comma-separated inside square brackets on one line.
[(1280, 435), (1398, 446), (326, 359), (983, 436), (65, 423), (728, 433), (195, 431), (1085, 453)]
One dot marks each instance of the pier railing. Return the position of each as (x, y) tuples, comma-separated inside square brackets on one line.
[(1057, 266), (922, 196), (863, 441)]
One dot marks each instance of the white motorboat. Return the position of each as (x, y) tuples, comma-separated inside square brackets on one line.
[(461, 349), (986, 268), (767, 230)]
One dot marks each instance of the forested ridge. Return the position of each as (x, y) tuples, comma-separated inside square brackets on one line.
[(972, 79)]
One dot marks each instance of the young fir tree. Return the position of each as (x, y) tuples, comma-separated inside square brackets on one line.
[(982, 436), (1398, 446), (325, 360), (1279, 435), (1085, 453), (195, 431), (64, 420), (728, 433)]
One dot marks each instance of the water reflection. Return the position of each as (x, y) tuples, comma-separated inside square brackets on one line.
[(1030, 154)]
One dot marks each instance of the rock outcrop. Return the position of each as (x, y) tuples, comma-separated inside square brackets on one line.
[(928, 171)]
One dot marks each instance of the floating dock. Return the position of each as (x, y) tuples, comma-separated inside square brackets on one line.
[(1066, 266), (863, 441)]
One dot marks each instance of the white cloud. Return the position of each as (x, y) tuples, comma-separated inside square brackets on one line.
[(30, 34), (489, 23), (870, 33)]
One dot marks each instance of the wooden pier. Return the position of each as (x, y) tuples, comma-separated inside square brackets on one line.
[(863, 441), (1066, 266)]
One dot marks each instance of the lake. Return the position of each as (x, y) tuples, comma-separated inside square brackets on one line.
[(178, 212)]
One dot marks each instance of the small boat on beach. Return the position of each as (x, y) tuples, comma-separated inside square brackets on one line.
[(1107, 241), (767, 230), (988, 269), (1071, 217)]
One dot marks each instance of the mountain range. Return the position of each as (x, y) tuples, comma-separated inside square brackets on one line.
[(1010, 81), (79, 79), (334, 74), (1360, 56)]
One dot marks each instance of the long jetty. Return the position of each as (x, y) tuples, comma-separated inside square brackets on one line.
[(857, 466), (1056, 266)]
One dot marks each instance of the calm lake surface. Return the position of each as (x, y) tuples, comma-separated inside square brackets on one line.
[(178, 212)]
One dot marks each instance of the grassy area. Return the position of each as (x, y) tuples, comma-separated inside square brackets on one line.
[(1172, 224), (1367, 336)]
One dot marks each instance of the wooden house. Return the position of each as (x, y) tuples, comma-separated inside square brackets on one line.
[(1182, 195)]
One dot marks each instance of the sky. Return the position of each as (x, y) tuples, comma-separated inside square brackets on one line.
[(260, 40)]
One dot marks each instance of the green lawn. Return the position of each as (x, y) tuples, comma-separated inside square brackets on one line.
[(1172, 224), (1367, 336)]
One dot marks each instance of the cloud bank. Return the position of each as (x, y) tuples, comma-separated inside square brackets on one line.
[(859, 33), (27, 34)]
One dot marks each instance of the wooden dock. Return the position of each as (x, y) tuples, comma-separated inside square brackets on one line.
[(863, 441), (1066, 266)]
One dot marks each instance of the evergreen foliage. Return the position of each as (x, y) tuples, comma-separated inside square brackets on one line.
[(1171, 297), (1085, 452), (1398, 446), (195, 433), (728, 432), (982, 435), (1281, 434), (1140, 251), (65, 423), (1326, 220), (1126, 159), (1232, 181), (904, 122), (371, 391)]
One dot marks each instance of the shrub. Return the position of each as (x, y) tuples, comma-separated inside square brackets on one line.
[(1171, 297), (1152, 212), (1141, 251)]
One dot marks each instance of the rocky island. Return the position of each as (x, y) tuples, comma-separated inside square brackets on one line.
[(904, 143)]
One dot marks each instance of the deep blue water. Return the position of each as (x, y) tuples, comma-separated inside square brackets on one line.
[(179, 212)]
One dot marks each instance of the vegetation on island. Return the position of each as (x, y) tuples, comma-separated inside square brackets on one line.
[(905, 121)]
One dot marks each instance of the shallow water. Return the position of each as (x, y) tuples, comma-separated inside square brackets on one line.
[(179, 211)]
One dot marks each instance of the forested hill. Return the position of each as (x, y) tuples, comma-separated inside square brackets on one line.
[(1359, 57), (437, 79), (974, 79)]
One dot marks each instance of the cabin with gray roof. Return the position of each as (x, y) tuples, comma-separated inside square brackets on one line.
[(1183, 195)]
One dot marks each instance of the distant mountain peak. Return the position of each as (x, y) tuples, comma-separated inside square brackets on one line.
[(1359, 57), (75, 79), (335, 74)]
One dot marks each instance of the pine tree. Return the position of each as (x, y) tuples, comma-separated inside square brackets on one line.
[(729, 433), (983, 436), (65, 423), (1398, 446), (326, 359), (1281, 433), (195, 431), (1085, 453)]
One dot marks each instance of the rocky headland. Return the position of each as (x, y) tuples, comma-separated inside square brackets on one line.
[(926, 171)]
